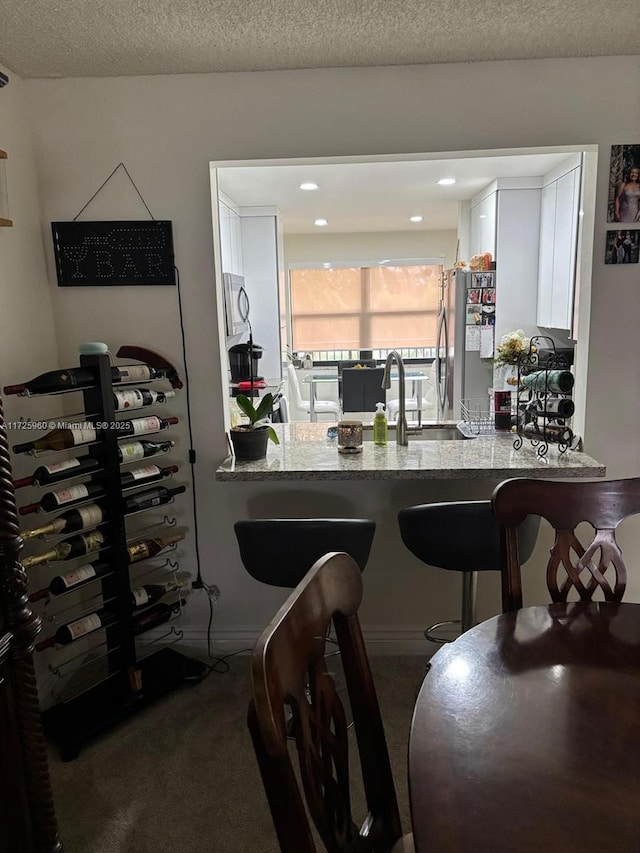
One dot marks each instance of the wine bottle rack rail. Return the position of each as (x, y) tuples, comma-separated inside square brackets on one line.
[(544, 406), (98, 558)]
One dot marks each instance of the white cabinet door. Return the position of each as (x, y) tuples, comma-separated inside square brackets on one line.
[(564, 250), (545, 264), (558, 242), (236, 244), (226, 254), (483, 226)]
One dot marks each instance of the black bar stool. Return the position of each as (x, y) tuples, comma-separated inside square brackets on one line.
[(461, 536), (280, 551)]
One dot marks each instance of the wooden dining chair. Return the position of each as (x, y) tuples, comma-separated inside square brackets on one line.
[(289, 670), (587, 569)]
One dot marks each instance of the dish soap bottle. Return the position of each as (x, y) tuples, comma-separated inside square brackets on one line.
[(380, 426)]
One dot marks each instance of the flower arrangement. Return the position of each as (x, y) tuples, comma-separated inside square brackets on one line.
[(512, 346)]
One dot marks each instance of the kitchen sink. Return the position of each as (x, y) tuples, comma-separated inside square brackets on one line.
[(428, 432)]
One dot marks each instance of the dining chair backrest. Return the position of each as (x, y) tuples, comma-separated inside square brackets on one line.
[(362, 389), (294, 389), (598, 567), (289, 668)]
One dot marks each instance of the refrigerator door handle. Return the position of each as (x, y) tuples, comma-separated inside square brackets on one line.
[(442, 370)]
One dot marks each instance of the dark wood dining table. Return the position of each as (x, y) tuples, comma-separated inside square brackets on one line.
[(526, 735)]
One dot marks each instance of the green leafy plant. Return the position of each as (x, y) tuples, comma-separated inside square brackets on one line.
[(257, 417)]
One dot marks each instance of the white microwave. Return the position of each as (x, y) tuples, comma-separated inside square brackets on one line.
[(236, 304)]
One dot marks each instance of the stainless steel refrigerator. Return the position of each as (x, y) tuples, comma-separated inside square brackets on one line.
[(460, 374)]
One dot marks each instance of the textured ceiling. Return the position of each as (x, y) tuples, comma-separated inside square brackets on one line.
[(105, 38)]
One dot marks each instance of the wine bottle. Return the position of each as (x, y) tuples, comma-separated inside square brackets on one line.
[(550, 432), (150, 593), (130, 451), (556, 381), (69, 522), (71, 580), (68, 549), (51, 501), (137, 398), (63, 439), (150, 498), (77, 378), (557, 407), (59, 439), (58, 471), (142, 549), (105, 617)]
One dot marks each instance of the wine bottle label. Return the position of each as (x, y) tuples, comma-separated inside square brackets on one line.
[(138, 551), (91, 514), (144, 473), (92, 541), (82, 573), (84, 626), (56, 467), (73, 493), (142, 425), (140, 596), (83, 435), (135, 373), (131, 399), (132, 450), (61, 551)]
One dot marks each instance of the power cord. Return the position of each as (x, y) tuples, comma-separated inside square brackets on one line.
[(220, 664)]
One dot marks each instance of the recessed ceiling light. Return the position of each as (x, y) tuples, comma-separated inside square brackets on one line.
[(415, 219), (320, 222), (308, 185), (483, 216), (446, 182)]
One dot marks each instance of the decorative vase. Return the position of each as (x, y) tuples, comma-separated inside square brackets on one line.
[(249, 443)]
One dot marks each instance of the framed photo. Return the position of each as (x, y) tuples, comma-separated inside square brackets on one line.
[(473, 297), (623, 247), (489, 296), (624, 184)]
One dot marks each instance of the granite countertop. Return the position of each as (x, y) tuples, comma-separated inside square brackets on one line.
[(305, 453)]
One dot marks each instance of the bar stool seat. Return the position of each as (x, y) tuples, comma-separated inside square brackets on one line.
[(460, 536), (280, 551)]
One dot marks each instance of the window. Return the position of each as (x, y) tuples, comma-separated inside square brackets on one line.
[(341, 310)]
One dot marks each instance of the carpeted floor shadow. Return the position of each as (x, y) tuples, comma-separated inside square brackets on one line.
[(181, 777)]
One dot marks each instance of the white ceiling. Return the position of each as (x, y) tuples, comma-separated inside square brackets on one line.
[(108, 38), (380, 196)]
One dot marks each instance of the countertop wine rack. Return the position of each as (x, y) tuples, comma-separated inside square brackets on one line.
[(544, 411), (129, 682)]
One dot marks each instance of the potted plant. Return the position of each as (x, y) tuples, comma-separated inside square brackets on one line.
[(250, 440)]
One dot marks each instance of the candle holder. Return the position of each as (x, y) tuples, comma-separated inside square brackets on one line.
[(350, 437)]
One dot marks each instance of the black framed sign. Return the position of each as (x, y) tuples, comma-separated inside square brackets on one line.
[(113, 253)]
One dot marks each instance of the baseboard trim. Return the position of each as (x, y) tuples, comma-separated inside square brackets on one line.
[(387, 640)]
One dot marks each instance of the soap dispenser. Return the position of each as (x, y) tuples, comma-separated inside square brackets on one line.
[(380, 426)]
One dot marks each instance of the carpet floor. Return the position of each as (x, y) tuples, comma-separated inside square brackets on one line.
[(181, 776)]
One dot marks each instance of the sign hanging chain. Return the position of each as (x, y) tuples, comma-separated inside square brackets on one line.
[(104, 183)]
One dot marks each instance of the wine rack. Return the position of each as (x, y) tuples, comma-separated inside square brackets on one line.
[(544, 404), (127, 682)]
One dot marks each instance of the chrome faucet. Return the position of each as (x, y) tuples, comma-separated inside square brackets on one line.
[(401, 424)]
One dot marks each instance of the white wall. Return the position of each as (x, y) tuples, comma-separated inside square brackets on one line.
[(167, 129), (27, 330)]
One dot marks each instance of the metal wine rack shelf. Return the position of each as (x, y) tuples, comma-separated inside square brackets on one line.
[(534, 422), (129, 682)]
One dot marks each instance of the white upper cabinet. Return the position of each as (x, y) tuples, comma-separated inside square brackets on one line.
[(558, 247), (483, 224), (230, 238)]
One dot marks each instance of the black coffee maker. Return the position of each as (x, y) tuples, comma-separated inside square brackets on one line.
[(243, 361)]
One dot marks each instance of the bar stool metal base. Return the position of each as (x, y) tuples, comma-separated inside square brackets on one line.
[(468, 611)]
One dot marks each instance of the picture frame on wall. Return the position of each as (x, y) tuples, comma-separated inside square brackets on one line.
[(624, 184), (622, 247)]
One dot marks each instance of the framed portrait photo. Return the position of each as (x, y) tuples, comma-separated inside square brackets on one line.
[(624, 184)]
